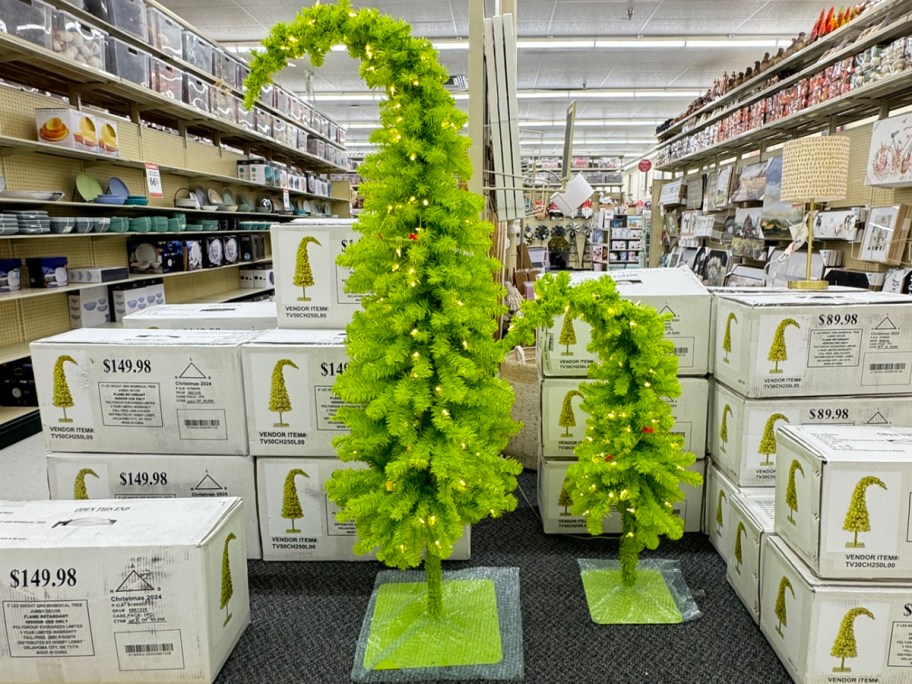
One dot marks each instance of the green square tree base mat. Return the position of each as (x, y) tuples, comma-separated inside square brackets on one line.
[(478, 636)]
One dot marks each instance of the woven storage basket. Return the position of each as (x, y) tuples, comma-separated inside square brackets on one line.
[(520, 371)]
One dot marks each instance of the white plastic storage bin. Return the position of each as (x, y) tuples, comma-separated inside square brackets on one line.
[(264, 121), (224, 105), (197, 51), (128, 62), (245, 117), (78, 40), (167, 79), (28, 19), (196, 93), (225, 67), (165, 33), (127, 15)]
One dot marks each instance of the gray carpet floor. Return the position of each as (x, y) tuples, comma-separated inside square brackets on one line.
[(306, 617)]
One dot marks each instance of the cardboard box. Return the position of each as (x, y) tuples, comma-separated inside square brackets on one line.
[(233, 316), (10, 275), (66, 127), (288, 380), (89, 307), (157, 476), (257, 278), (814, 344), (317, 299), (114, 591), (123, 391), (669, 290), (47, 272), (716, 524), (97, 275), (108, 136), (213, 251), (717, 293), (125, 297), (557, 519), (155, 256), (748, 454), (559, 441), (316, 535), (866, 624), (751, 519)]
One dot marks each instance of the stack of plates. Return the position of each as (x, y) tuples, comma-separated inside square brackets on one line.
[(33, 222), (9, 224)]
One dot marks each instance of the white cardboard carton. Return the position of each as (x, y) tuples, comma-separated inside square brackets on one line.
[(149, 391), (559, 441), (751, 518), (90, 307), (157, 476), (814, 344), (310, 285), (675, 291), (316, 535), (825, 632), (748, 454), (557, 518), (288, 378), (232, 316), (717, 293), (115, 591), (717, 523), (844, 499)]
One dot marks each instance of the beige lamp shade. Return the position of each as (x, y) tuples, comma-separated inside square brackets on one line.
[(815, 169)]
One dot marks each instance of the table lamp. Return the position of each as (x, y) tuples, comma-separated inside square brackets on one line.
[(814, 170)]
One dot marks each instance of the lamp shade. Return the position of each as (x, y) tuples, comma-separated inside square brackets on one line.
[(815, 169)]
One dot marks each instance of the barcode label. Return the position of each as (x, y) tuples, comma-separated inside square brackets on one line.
[(887, 367), (148, 648), (681, 351), (202, 423)]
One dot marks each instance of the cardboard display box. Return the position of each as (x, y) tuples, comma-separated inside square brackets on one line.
[(675, 291), (233, 316), (557, 519), (751, 519), (719, 292), (844, 499), (562, 431), (814, 344), (316, 535), (89, 307), (748, 452), (123, 391), (827, 632), (288, 380), (309, 284), (157, 476), (719, 492), (115, 591)]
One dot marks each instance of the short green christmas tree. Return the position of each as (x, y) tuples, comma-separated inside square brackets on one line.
[(279, 401), (720, 521), (723, 428), (845, 645), (564, 498), (303, 275), (79, 486), (291, 503), (62, 398), (739, 554), (781, 608), (227, 585), (567, 336), (727, 338), (857, 518), (427, 412), (778, 351), (791, 491), (767, 446), (567, 420)]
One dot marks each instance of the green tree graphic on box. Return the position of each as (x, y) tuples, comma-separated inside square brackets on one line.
[(791, 492), (857, 518), (62, 397), (227, 585), (303, 275), (739, 557), (778, 351), (291, 504), (723, 428), (79, 486), (564, 499), (781, 606), (567, 419), (768, 441), (720, 522), (279, 401), (567, 335), (845, 645), (727, 339)]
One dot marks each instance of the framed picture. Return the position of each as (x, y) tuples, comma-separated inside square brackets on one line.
[(885, 234), (672, 193), (695, 187), (674, 257), (749, 248), (778, 217), (728, 230), (745, 276), (671, 223), (841, 224), (896, 280), (715, 267), (700, 261), (688, 223), (689, 257), (748, 223), (751, 183), (718, 189), (890, 155)]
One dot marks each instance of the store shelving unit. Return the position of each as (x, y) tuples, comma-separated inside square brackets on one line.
[(621, 240)]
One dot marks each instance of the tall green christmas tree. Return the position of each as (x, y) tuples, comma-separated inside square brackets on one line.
[(79, 486), (629, 461), (845, 645), (791, 491), (778, 351), (857, 518), (739, 554), (279, 401), (303, 275), (781, 608), (720, 521), (227, 585), (428, 414), (62, 397), (291, 504), (567, 420), (768, 441), (727, 338), (723, 428), (567, 335)]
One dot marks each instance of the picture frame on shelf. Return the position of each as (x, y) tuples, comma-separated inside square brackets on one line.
[(897, 280), (695, 187), (700, 261), (890, 155), (778, 217), (718, 189), (748, 223), (750, 184), (745, 276), (715, 267), (674, 257), (885, 234), (839, 224), (728, 230)]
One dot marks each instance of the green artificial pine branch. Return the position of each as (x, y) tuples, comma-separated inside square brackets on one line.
[(430, 416)]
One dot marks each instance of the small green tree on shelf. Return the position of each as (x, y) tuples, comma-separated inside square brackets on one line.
[(791, 490), (567, 335), (845, 645), (857, 518), (80, 492), (768, 445), (727, 338), (567, 419), (303, 275), (62, 398), (227, 584), (781, 608), (723, 428), (739, 554), (291, 503), (778, 351), (279, 401)]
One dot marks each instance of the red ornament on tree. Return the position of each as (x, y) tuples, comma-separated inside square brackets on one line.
[(649, 430), (413, 236), (609, 457)]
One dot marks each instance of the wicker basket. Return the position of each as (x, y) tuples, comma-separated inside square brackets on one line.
[(520, 371)]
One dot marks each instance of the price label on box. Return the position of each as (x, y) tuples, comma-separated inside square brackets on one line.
[(153, 181)]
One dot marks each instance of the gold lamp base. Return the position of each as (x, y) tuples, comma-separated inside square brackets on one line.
[(807, 284)]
